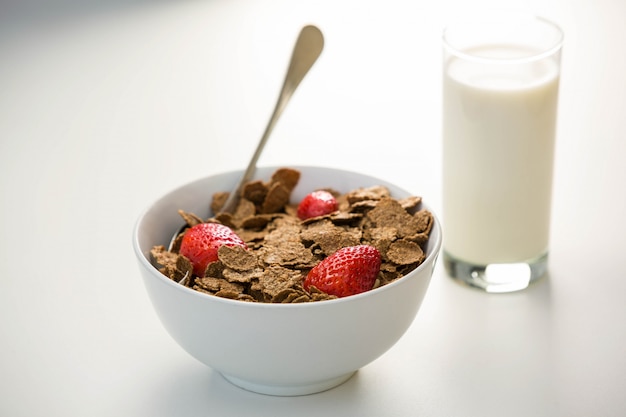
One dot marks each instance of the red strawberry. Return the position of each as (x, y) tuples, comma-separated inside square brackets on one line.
[(317, 203), (348, 271), (201, 242)]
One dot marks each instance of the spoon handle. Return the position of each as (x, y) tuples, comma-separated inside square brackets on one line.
[(307, 49)]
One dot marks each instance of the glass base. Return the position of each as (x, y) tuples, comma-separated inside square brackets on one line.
[(496, 278)]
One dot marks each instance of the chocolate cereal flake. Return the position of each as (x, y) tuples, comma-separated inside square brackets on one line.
[(255, 191), (237, 258), (405, 252), (288, 177), (376, 192), (276, 199), (330, 237), (389, 213), (190, 218)]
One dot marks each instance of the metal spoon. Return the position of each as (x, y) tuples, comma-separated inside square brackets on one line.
[(307, 49)]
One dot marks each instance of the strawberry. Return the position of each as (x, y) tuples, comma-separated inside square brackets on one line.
[(317, 203), (201, 242), (348, 271)]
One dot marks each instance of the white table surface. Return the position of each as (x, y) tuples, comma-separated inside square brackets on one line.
[(103, 107)]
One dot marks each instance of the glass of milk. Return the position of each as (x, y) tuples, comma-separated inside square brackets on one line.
[(500, 92)]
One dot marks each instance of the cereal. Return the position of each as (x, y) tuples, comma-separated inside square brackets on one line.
[(254, 191), (237, 258), (375, 193), (287, 177), (330, 237), (190, 218), (405, 252), (276, 199), (389, 213), (278, 278), (173, 265), (282, 248)]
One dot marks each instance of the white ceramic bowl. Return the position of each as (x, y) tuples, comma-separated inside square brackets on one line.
[(278, 349)]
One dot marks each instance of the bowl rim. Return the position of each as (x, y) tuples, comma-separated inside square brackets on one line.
[(430, 258)]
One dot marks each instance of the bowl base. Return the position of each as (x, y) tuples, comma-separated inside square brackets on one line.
[(288, 390)]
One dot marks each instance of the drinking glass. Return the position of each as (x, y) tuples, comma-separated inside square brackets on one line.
[(500, 91)]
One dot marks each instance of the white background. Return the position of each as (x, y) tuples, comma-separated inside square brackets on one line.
[(104, 106)]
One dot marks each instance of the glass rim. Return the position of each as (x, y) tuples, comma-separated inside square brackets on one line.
[(548, 51)]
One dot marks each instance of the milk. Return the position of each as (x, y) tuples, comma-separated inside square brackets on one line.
[(498, 145)]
